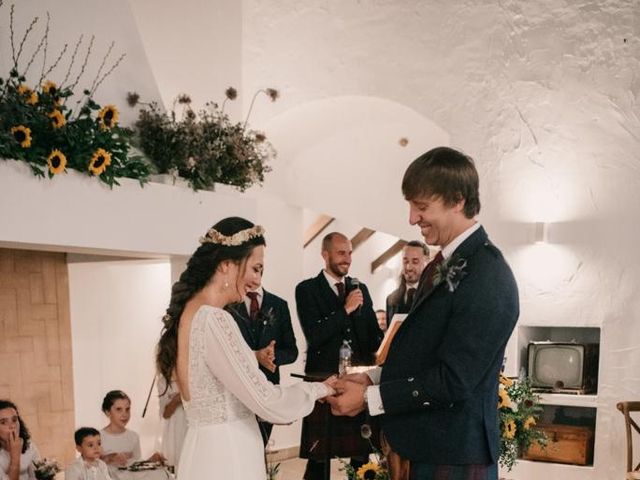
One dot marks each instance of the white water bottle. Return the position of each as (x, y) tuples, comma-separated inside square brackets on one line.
[(344, 358)]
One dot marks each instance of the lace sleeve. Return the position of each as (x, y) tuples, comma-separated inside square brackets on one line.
[(232, 361)]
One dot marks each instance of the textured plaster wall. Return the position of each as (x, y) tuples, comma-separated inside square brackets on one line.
[(544, 95)]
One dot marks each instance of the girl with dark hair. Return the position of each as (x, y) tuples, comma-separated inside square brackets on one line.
[(121, 446), (216, 371), (17, 451)]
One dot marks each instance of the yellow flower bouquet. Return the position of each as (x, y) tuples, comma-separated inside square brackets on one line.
[(39, 127), (518, 411), (375, 469)]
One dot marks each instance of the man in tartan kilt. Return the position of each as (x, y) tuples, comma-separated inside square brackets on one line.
[(333, 307)]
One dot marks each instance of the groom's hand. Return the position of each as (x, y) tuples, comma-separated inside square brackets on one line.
[(349, 400), (361, 378), (267, 356)]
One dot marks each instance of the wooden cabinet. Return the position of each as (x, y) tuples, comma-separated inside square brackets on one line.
[(566, 444)]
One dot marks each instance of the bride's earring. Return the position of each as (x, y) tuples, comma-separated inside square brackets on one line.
[(226, 284)]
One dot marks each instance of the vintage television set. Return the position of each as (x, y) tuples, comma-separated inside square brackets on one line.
[(563, 367)]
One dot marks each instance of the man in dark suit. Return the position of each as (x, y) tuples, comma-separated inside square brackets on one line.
[(332, 308), (438, 387), (265, 323), (415, 256)]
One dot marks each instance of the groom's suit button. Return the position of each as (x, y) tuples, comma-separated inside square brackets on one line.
[(415, 393), (426, 404), (410, 379)]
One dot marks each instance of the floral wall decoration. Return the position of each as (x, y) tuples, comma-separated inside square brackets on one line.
[(40, 127), (203, 147)]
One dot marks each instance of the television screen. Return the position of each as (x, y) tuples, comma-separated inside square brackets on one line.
[(556, 365)]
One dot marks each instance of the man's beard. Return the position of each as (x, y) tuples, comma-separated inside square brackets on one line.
[(411, 280), (335, 269)]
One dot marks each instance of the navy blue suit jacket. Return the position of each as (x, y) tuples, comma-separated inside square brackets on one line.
[(439, 384), (273, 323), (325, 324)]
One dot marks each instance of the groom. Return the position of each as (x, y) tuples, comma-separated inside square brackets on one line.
[(438, 388)]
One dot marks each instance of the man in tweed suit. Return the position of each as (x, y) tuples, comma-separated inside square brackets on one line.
[(437, 390)]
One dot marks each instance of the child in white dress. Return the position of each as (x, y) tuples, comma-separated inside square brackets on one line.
[(17, 451), (88, 466), (121, 446)]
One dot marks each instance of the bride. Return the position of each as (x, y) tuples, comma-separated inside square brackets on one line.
[(217, 373)]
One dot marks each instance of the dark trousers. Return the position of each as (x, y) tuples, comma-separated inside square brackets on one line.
[(315, 469), (428, 471)]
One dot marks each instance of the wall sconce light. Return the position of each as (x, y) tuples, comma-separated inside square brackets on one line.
[(541, 232)]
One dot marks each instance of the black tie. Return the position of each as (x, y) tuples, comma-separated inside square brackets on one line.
[(411, 293), (341, 293)]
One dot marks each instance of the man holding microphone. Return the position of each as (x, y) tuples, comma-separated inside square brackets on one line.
[(334, 308)]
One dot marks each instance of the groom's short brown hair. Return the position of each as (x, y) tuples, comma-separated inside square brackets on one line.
[(445, 173)]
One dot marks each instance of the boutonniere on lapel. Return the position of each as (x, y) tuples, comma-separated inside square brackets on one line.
[(450, 271), (266, 319)]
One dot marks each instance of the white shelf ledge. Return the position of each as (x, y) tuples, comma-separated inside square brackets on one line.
[(566, 399)]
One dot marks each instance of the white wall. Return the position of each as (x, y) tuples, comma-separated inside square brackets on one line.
[(194, 47), (116, 309), (85, 215), (108, 21)]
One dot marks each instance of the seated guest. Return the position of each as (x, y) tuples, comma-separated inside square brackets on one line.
[(88, 465), (121, 447), (415, 256), (265, 323), (17, 451)]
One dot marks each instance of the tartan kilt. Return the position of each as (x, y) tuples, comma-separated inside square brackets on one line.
[(325, 435), (423, 471)]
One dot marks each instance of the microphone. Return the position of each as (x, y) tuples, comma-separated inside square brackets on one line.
[(355, 284)]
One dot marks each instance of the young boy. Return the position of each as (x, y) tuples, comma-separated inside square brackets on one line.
[(88, 466)]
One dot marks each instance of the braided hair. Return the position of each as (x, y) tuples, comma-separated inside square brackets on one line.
[(200, 269)]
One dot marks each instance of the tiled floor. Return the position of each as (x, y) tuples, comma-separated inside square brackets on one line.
[(293, 469)]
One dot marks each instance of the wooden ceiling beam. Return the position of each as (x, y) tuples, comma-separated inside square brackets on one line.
[(361, 237), (387, 254), (316, 228)]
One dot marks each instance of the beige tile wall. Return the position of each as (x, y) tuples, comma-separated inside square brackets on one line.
[(35, 347)]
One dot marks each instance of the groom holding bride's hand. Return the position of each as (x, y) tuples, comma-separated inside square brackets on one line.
[(437, 389)]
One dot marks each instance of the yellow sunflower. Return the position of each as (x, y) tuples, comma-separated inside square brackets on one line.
[(30, 96), (51, 89), (57, 161), (22, 135), (58, 118), (529, 422), (99, 161), (506, 381), (509, 430), (108, 116), (368, 471), (504, 400)]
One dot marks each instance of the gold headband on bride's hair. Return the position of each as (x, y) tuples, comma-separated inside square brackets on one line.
[(214, 236)]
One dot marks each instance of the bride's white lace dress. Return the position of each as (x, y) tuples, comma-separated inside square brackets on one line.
[(227, 388)]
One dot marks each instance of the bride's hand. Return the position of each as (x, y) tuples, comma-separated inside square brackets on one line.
[(330, 384)]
